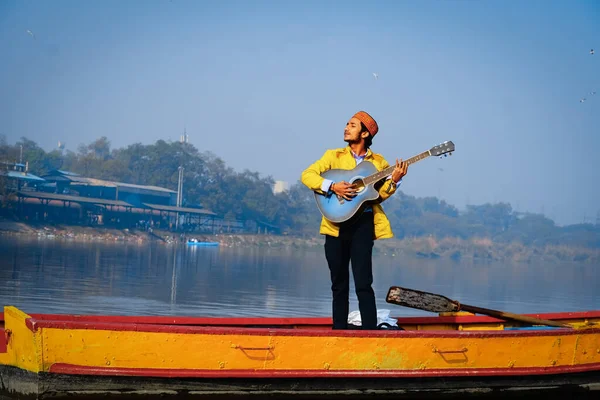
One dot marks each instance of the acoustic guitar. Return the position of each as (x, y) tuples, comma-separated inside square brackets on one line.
[(364, 177)]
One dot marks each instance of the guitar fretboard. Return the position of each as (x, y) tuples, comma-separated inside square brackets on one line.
[(376, 177)]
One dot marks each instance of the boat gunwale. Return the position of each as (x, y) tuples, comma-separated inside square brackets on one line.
[(34, 325), (297, 321)]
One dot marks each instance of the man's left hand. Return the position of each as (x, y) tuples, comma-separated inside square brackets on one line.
[(400, 170)]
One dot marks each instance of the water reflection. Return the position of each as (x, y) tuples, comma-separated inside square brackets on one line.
[(41, 275)]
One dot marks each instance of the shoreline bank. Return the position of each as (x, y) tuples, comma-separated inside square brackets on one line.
[(475, 249)]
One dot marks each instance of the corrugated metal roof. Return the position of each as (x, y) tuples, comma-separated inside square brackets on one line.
[(101, 182), (157, 188), (74, 199), (68, 173), (24, 176), (179, 209)]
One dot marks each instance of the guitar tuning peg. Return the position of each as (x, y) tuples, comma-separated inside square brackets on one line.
[(450, 153), (445, 155)]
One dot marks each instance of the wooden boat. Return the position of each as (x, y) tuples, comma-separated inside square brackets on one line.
[(46, 355)]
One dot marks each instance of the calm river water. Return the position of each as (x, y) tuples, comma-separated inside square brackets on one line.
[(42, 275)]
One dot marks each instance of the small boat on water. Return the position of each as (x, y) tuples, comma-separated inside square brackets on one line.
[(49, 355), (195, 242)]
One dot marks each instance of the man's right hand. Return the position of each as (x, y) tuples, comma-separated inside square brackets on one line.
[(344, 189)]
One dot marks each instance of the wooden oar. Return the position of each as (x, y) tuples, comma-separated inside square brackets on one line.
[(438, 303)]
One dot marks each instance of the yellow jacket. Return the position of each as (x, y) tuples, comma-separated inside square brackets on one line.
[(342, 158)]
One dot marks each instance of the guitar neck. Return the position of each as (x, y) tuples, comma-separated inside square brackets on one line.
[(376, 177)]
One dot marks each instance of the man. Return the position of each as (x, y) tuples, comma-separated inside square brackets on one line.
[(354, 242)]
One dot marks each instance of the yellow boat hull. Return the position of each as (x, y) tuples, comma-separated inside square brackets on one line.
[(178, 351)]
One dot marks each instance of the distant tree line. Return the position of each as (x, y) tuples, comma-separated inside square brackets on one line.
[(246, 195)]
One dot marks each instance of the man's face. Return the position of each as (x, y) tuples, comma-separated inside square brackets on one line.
[(352, 132)]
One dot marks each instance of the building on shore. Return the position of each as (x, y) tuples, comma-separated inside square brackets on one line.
[(65, 182), (16, 177), (64, 197), (69, 198)]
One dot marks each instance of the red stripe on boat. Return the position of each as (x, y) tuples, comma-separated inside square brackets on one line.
[(3, 341), (158, 320), (71, 369), (300, 322), (30, 324), (34, 325)]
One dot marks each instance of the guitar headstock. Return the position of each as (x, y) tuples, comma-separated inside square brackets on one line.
[(442, 149)]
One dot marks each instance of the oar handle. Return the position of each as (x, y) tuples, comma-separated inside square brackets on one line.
[(516, 317)]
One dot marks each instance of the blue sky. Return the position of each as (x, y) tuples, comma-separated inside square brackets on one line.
[(269, 85)]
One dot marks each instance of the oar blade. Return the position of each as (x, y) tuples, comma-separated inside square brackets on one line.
[(420, 300)]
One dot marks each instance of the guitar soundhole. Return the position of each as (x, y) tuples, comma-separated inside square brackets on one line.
[(359, 184)]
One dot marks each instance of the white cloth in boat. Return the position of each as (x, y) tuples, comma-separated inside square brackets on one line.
[(382, 316)]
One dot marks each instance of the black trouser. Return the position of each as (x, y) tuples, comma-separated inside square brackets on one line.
[(354, 244)]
